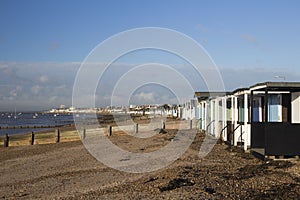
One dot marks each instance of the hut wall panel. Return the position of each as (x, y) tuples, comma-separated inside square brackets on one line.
[(282, 139), (258, 135), (286, 108), (296, 107)]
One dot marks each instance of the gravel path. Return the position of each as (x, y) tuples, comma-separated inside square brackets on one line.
[(68, 171)]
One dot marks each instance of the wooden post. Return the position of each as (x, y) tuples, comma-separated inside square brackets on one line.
[(32, 138), (110, 131), (6, 140), (163, 124), (242, 136), (136, 128), (58, 136), (84, 133), (191, 124)]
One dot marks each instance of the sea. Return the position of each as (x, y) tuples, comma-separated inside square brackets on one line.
[(10, 123), (31, 119)]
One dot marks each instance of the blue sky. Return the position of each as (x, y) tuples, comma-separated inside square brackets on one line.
[(249, 41)]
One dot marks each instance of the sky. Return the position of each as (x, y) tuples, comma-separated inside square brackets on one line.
[(43, 44)]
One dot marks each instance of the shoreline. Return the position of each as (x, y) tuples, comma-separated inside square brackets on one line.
[(67, 132)]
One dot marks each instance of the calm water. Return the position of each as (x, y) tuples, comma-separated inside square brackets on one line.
[(42, 119), (32, 119)]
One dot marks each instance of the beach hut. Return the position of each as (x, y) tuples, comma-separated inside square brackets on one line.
[(233, 130), (275, 119), (241, 130), (211, 114), (202, 112), (202, 98), (229, 116), (188, 111)]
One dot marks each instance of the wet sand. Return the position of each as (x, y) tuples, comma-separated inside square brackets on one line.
[(67, 171)]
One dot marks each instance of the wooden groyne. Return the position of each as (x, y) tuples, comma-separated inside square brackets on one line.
[(34, 127), (58, 135)]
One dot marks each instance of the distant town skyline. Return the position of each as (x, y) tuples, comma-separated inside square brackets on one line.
[(42, 43)]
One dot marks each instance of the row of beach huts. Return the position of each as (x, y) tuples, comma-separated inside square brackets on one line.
[(263, 119)]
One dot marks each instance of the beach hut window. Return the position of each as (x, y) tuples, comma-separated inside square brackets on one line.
[(257, 110), (273, 108), (228, 111), (241, 110), (220, 111), (212, 108)]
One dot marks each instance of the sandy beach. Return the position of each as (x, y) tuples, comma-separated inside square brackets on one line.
[(67, 171)]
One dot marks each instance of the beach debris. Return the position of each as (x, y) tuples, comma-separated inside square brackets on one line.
[(124, 159), (177, 183), (162, 131), (280, 164), (151, 179), (209, 190)]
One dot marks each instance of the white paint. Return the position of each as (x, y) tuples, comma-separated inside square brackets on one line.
[(213, 117), (205, 115), (217, 118), (236, 114), (247, 126), (296, 107), (271, 92), (232, 109), (202, 114), (224, 124), (279, 108), (258, 87)]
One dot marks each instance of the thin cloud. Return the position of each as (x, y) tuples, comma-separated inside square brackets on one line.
[(250, 39), (54, 46), (43, 79), (237, 77), (21, 87), (145, 97), (35, 90), (203, 28)]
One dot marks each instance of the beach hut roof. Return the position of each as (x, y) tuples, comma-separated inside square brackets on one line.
[(286, 86), (206, 95)]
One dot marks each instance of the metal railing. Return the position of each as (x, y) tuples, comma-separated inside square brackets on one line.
[(210, 123)]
